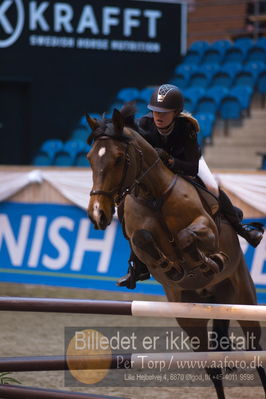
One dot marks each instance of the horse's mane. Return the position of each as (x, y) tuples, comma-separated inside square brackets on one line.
[(104, 128)]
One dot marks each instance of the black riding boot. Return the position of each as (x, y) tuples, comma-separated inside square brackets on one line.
[(252, 232), (137, 271)]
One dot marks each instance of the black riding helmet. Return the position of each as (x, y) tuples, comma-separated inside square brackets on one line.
[(166, 98)]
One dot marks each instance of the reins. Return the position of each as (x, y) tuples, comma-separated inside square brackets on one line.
[(119, 193)]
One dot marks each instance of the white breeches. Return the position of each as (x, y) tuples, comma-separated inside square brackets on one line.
[(207, 177)]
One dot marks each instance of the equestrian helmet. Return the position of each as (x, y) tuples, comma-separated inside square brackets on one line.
[(166, 98)]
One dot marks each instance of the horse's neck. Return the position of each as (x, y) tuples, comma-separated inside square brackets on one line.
[(158, 180), (156, 177)]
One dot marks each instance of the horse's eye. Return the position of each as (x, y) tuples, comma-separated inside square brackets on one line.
[(119, 160)]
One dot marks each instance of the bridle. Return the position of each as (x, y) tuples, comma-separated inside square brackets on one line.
[(119, 191)]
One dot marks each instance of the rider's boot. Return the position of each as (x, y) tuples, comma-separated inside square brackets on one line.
[(137, 271), (252, 232)]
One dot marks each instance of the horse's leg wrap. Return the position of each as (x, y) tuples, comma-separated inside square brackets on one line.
[(144, 240)]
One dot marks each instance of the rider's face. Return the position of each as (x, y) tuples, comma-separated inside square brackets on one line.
[(163, 119)]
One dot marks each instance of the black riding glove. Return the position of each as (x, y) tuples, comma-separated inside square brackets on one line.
[(165, 157)]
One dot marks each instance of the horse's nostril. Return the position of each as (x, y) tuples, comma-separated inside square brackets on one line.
[(103, 219)]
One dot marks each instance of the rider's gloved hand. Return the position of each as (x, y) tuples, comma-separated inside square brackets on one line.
[(165, 157)]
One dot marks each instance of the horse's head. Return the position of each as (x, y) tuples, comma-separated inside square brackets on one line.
[(112, 167)]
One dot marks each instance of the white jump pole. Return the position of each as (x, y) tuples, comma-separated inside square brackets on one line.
[(198, 311)]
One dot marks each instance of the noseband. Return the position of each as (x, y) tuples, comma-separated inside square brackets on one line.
[(110, 194)]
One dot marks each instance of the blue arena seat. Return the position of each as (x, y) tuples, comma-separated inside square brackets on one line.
[(145, 94), (206, 121), (128, 94), (81, 159), (256, 53), (207, 103), (263, 160), (186, 68), (80, 133), (209, 69), (141, 106), (222, 45), (180, 79), (232, 67), (261, 86), (46, 153), (256, 67), (199, 45), (189, 103), (218, 92), (199, 78), (67, 155), (230, 108), (244, 95), (245, 43), (42, 159), (194, 92), (212, 55), (234, 54), (245, 78), (221, 78), (195, 52), (261, 41)]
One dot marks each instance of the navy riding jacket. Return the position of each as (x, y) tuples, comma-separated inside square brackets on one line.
[(181, 143)]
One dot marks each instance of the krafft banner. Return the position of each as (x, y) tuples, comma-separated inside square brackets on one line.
[(57, 245), (73, 56)]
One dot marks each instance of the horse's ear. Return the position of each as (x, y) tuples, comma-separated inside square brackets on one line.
[(92, 122), (118, 120)]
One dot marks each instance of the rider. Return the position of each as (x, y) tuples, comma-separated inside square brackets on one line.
[(174, 135)]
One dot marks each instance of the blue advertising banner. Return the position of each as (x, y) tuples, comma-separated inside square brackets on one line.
[(57, 245)]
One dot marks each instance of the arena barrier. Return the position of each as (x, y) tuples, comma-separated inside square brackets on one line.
[(126, 361), (21, 392), (135, 308)]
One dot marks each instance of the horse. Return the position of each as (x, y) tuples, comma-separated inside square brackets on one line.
[(169, 229)]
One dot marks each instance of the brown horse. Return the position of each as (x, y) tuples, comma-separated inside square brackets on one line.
[(168, 228)]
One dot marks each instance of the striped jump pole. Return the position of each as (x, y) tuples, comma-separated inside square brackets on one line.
[(135, 361), (22, 392), (136, 308)]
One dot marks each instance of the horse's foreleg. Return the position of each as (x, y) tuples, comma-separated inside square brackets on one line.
[(198, 329), (252, 333), (198, 244)]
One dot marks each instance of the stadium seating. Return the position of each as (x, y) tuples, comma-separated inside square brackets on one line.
[(244, 95), (230, 108), (244, 43), (218, 92), (212, 55), (256, 53), (80, 159), (46, 154), (234, 54), (263, 160), (66, 156), (221, 78), (206, 121), (206, 103), (128, 94), (222, 45), (245, 78), (145, 94), (199, 78), (261, 86)]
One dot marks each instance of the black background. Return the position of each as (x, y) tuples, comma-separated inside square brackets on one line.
[(44, 91)]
